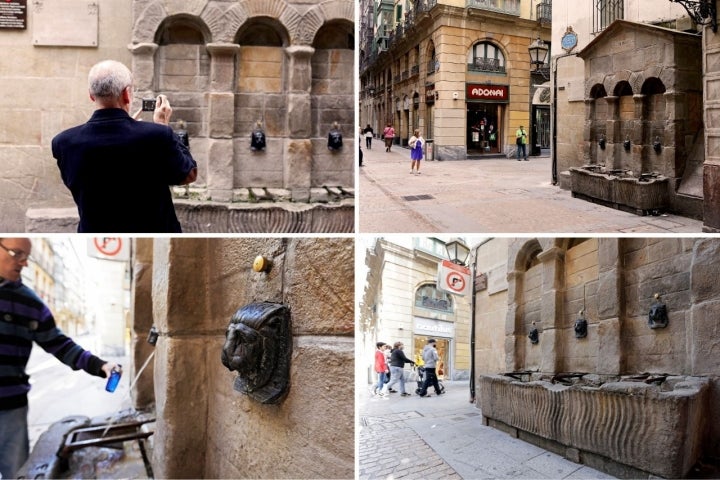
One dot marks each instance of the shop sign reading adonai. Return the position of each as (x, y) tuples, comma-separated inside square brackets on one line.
[(487, 92)]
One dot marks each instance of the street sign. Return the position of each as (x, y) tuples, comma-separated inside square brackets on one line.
[(109, 248), (453, 278)]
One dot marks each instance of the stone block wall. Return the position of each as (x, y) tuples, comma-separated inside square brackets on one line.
[(206, 429)]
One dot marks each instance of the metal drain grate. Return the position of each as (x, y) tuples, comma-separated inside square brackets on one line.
[(414, 198)]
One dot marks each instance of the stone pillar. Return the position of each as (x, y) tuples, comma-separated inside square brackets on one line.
[(711, 102), (221, 121), (610, 300), (640, 132), (180, 272), (590, 149), (298, 147), (143, 394), (514, 338), (552, 307), (674, 152), (143, 66), (613, 130)]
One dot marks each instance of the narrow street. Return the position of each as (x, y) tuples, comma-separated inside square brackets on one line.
[(444, 437), (485, 196)]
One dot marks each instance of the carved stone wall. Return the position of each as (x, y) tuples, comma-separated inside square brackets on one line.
[(205, 428)]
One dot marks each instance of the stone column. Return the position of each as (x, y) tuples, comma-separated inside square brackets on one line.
[(613, 130), (298, 146), (180, 273), (143, 67), (640, 133), (590, 149), (143, 394), (711, 103), (221, 121), (552, 307), (610, 301), (514, 338), (674, 152)]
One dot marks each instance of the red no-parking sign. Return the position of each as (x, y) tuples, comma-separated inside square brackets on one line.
[(109, 248), (453, 278)]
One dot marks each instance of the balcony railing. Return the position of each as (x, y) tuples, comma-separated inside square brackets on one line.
[(544, 12), (415, 70), (491, 65), (426, 5), (431, 66), (510, 7)]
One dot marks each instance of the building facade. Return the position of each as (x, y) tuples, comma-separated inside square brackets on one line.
[(612, 285), (225, 67), (401, 303), (457, 70)]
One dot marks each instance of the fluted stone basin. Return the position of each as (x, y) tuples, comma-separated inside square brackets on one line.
[(654, 428), (644, 195)]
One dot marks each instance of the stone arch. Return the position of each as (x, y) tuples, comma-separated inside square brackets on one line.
[(319, 15), (652, 86), (242, 12), (262, 31), (622, 88), (335, 34), (148, 23), (182, 28), (527, 255)]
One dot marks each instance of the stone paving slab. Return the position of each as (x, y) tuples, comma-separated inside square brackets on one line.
[(444, 437), (486, 196)]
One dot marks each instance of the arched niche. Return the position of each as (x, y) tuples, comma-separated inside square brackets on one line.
[(335, 35)]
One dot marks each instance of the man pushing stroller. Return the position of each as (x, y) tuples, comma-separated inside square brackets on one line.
[(430, 357)]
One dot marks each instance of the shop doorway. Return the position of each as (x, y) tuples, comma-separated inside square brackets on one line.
[(443, 348), (483, 128), (541, 129)]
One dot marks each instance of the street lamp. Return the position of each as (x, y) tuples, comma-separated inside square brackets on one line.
[(538, 54), (457, 251), (703, 12)]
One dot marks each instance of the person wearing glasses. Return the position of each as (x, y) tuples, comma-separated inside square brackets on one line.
[(25, 319), (119, 170)]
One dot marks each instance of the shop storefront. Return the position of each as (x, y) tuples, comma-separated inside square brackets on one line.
[(444, 333), (485, 113)]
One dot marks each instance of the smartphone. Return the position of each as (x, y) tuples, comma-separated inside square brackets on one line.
[(148, 104)]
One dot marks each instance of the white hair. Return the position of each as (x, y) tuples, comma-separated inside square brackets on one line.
[(108, 79)]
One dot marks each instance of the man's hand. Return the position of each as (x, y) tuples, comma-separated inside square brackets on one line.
[(108, 367), (163, 110)]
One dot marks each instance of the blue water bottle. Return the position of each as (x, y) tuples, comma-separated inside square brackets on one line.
[(114, 379)]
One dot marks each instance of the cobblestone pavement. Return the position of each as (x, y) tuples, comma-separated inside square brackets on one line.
[(444, 437), (486, 196)]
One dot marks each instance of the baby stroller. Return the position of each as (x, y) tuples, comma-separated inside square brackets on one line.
[(421, 379)]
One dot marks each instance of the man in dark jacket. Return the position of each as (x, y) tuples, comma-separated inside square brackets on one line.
[(430, 357), (119, 169), (397, 362), (25, 319)]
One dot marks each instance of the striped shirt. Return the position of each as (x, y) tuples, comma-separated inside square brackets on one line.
[(25, 319)]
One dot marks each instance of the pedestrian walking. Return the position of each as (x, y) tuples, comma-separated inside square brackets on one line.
[(113, 150), (26, 319), (368, 136), (416, 151), (521, 142), (380, 367), (430, 357), (388, 135), (397, 362)]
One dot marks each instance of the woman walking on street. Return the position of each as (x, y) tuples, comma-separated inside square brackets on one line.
[(368, 136), (397, 362), (416, 150), (388, 135)]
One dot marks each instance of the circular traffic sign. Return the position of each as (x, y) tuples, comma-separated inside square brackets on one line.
[(108, 246), (455, 281)]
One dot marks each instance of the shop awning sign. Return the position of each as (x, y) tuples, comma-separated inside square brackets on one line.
[(496, 93), (453, 278)]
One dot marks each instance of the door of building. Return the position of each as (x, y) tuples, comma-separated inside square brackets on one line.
[(443, 348), (483, 129), (540, 129)]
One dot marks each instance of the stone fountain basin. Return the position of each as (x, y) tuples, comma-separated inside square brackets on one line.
[(652, 428), (642, 195)]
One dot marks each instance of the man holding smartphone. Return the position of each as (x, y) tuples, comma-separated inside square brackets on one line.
[(119, 169)]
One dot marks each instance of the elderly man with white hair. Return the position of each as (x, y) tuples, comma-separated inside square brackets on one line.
[(118, 169)]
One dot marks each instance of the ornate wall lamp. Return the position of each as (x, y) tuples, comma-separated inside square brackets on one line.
[(258, 345), (702, 12)]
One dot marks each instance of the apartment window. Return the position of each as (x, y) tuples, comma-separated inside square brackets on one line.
[(486, 57), (428, 296), (606, 12)]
